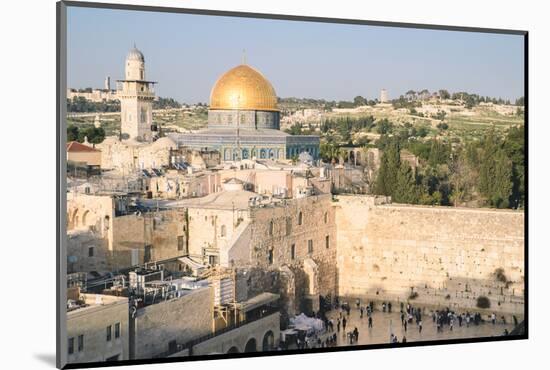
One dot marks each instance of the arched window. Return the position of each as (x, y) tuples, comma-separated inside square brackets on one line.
[(271, 228), (300, 218), (223, 231), (326, 217)]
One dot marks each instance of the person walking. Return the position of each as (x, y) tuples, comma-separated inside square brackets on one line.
[(344, 322), (420, 327), (361, 312), (338, 325), (370, 321)]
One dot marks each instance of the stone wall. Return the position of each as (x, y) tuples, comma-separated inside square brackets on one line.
[(437, 256), (238, 338), (279, 239), (86, 251), (180, 319), (91, 322), (165, 231)]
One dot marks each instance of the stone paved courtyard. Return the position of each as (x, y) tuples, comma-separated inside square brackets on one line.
[(385, 323)]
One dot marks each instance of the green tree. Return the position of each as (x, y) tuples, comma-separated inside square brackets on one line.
[(72, 133), (359, 101), (405, 190), (514, 145), (495, 173), (384, 126), (444, 94), (390, 163)]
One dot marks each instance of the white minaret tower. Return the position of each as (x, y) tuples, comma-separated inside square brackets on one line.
[(136, 99)]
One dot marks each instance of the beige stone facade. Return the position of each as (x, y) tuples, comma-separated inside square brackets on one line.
[(177, 320), (130, 155), (438, 256), (98, 330)]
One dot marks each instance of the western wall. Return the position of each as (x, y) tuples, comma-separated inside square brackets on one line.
[(433, 256)]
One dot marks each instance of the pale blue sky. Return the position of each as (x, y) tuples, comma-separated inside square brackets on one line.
[(187, 53)]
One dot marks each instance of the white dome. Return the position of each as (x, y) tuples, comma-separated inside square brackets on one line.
[(135, 54), (165, 142)]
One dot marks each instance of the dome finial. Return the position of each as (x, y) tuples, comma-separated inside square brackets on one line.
[(244, 56)]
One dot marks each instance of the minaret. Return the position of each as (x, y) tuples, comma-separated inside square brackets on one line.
[(136, 99)]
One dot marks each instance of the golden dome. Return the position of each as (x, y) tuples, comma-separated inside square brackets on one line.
[(244, 88)]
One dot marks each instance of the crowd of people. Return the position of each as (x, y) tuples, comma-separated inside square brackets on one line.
[(445, 319)]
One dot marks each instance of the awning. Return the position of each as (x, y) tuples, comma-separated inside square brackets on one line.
[(257, 301), (193, 265)]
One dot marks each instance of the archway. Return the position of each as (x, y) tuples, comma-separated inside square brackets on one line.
[(233, 350), (351, 157), (250, 345), (73, 219), (85, 218), (269, 341), (245, 153), (263, 154)]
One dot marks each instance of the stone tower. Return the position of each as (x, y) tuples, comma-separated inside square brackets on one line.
[(136, 100)]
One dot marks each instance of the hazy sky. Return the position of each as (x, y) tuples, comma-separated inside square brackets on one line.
[(187, 53)]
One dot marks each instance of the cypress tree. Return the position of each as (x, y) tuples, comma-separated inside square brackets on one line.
[(389, 167), (405, 190)]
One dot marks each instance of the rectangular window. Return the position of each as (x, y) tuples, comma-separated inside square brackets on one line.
[(91, 252), (327, 241), (71, 346), (293, 251), (147, 254), (212, 260), (109, 337), (180, 242), (288, 226), (310, 246), (270, 256), (80, 343), (117, 330)]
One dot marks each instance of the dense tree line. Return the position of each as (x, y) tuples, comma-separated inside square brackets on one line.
[(490, 171), (94, 134), (165, 103), (80, 104), (345, 126)]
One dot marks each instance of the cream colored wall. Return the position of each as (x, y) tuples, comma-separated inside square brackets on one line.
[(129, 157), (95, 212), (92, 322), (205, 229), (239, 337), (90, 158), (313, 228), (159, 229), (180, 319), (447, 256), (78, 244)]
